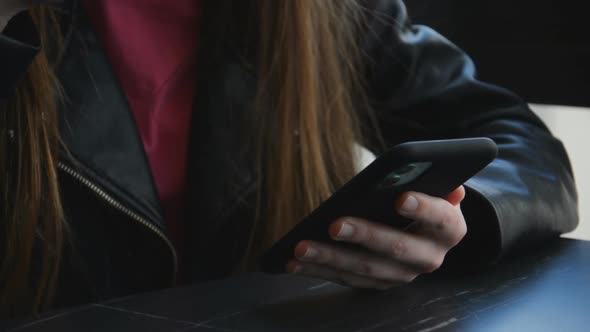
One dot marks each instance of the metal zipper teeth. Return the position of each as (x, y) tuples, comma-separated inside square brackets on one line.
[(120, 207)]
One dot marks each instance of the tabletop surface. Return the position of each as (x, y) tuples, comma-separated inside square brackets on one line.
[(547, 290)]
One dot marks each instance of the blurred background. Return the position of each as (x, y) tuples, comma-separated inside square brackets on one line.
[(538, 48)]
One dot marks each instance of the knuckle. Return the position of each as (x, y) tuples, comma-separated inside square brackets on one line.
[(448, 220), (434, 264), (459, 229), (325, 255), (360, 232), (367, 235), (462, 231), (365, 268), (335, 259), (453, 224), (398, 249)]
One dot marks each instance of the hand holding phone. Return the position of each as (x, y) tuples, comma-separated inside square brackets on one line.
[(433, 168)]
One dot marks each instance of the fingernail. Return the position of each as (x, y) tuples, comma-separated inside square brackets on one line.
[(346, 231), (310, 253), (409, 206)]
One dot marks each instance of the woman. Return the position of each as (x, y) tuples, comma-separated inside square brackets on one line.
[(116, 182)]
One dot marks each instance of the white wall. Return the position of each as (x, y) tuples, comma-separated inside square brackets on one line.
[(572, 126)]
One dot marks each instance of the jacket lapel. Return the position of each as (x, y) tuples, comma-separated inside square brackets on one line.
[(97, 127)]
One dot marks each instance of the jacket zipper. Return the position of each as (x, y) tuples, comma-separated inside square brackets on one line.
[(121, 208)]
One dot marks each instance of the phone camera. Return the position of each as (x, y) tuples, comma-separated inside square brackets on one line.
[(404, 175), (406, 169), (391, 180)]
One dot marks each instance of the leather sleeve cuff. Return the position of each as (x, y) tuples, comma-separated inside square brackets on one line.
[(19, 44), (482, 244)]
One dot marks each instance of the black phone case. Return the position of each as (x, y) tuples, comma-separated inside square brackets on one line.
[(452, 162)]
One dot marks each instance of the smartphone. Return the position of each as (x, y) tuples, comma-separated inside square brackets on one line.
[(435, 168)]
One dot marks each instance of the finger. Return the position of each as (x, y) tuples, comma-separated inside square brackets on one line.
[(421, 253), (339, 277), (456, 196), (354, 261), (440, 219)]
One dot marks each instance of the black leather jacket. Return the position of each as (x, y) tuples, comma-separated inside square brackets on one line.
[(419, 84)]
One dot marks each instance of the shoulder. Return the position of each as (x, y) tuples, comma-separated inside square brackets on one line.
[(386, 30), (384, 13)]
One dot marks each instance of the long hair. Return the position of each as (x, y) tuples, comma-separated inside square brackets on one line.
[(309, 78), (30, 207)]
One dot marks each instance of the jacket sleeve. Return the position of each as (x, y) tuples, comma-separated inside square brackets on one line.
[(421, 86), (19, 44)]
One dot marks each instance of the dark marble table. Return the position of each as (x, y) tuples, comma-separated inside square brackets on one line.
[(546, 290)]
